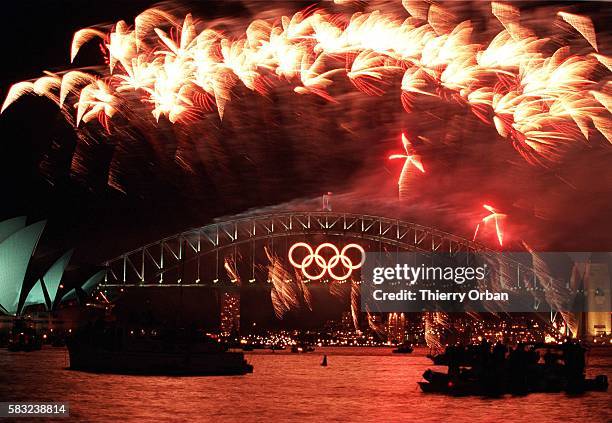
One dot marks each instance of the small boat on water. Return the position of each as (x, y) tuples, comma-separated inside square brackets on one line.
[(251, 346), (529, 368), (114, 352), (464, 385), (403, 349), (438, 359)]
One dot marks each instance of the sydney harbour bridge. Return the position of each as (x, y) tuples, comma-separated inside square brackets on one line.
[(232, 252), (236, 254), (282, 250)]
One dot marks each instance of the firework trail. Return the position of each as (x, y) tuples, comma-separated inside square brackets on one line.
[(500, 274), (378, 328), (497, 218), (539, 98), (231, 267), (289, 291), (555, 290), (432, 335), (571, 321), (338, 290), (410, 160), (284, 297), (170, 78), (441, 319), (352, 291), (580, 272), (304, 291), (355, 310)]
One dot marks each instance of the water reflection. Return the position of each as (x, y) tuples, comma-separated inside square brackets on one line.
[(357, 385)]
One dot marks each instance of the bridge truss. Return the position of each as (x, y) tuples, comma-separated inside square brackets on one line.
[(198, 256)]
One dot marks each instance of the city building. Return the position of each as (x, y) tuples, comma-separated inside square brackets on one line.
[(347, 321), (230, 313), (593, 277), (396, 327)]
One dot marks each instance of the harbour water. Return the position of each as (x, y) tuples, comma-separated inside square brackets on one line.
[(359, 384)]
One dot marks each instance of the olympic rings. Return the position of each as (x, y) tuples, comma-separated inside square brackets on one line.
[(339, 257)]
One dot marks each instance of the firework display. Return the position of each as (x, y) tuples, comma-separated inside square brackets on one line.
[(316, 198), (543, 94), (539, 98)]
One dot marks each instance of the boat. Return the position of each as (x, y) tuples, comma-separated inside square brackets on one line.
[(251, 346), (438, 359), (403, 349), (522, 372), (463, 356), (443, 383), (114, 352)]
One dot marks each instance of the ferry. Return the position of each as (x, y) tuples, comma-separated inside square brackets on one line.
[(114, 352), (529, 368), (403, 349)]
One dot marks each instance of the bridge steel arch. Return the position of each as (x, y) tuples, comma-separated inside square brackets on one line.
[(151, 264)]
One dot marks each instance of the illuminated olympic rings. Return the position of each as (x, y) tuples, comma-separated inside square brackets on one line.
[(327, 266)]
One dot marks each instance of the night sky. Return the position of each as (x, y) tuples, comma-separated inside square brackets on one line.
[(87, 215), (84, 213)]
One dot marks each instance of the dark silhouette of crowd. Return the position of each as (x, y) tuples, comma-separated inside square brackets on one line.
[(526, 367)]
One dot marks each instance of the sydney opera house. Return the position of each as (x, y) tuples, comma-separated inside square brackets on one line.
[(23, 285)]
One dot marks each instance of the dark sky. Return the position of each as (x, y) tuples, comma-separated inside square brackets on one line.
[(41, 33), (81, 214), (38, 35), (99, 222)]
